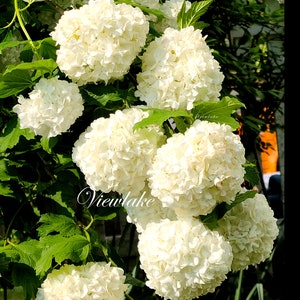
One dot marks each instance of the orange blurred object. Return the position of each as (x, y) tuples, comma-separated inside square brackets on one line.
[(269, 154)]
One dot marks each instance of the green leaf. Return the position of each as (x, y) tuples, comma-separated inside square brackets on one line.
[(191, 17), (26, 252), (23, 275), (4, 175), (109, 96), (211, 219), (11, 44), (219, 111), (63, 192), (48, 65), (104, 98), (14, 82), (145, 9), (251, 175), (134, 281), (47, 48), (48, 143), (159, 116), (52, 223), (4, 261), (12, 133), (6, 190), (17, 78), (76, 248), (181, 124)]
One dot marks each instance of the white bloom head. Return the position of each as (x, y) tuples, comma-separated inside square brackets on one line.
[(195, 171), (113, 156), (182, 259), (106, 37), (152, 211), (251, 229), (52, 107), (90, 281), (178, 69)]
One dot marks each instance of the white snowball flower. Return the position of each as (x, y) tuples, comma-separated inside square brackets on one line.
[(113, 156), (182, 259), (195, 171), (170, 9), (151, 211), (52, 107), (178, 69), (106, 37), (251, 229), (91, 281)]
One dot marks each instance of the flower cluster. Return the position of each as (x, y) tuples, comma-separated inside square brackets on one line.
[(113, 156), (90, 281), (178, 69), (195, 171), (183, 259), (251, 229), (52, 107), (107, 38)]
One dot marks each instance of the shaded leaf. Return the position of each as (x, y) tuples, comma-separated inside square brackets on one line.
[(251, 175), (14, 82), (47, 48), (134, 281), (211, 219), (23, 275)]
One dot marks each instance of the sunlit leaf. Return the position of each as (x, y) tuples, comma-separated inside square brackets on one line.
[(219, 111), (76, 248), (53, 223), (11, 134), (159, 116), (191, 17)]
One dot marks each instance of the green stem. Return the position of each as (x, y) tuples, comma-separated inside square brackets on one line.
[(11, 22), (238, 289), (11, 222), (90, 224), (19, 17), (128, 297)]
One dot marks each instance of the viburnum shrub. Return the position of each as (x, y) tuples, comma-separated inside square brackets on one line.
[(115, 107)]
